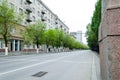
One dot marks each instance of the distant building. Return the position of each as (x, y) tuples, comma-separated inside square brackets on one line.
[(77, 35)]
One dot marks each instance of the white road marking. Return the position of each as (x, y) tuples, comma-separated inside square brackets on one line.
[(26, 67), (33, 65)]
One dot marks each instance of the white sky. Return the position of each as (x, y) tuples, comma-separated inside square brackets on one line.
[(76, 14)]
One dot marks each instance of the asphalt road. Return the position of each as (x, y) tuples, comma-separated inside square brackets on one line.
[(77, 65)]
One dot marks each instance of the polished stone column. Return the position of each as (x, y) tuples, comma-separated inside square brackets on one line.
[(109, 40), (13, 45), (18, 46)]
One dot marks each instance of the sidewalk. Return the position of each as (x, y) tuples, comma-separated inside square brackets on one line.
[(19, 53), (26, 53), (96, 67)]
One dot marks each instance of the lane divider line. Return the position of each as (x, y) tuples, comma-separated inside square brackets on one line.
[(33, 65)]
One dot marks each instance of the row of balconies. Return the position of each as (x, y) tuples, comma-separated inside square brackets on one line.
[(29, 10), (30, 19)]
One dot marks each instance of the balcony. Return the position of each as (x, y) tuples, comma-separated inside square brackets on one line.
[(56, 23), (28, 9), (43, 18), (43, 12), (29, 19), (29, 1)]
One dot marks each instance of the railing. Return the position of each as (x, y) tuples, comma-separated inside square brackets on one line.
[(29, 19), (28, 8), (29, 1), (43, 12), (43, 18)]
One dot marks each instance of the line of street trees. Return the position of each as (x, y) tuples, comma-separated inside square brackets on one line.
[(92, 28), (37, 34)]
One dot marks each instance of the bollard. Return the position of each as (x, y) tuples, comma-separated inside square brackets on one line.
[(6, 50)]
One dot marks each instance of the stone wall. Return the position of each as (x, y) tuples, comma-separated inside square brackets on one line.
[(109, 40)]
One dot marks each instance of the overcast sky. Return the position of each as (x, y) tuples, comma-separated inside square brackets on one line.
[(76, 14)]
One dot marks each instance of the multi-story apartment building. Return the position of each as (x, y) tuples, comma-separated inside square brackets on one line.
[(33, 10), (77, 35)]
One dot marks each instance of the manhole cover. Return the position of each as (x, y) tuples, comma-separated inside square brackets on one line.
[(40, 74)]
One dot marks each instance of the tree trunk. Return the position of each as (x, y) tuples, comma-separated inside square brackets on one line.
[(6, 41), (47, 48), (6, 46), (37, 43)]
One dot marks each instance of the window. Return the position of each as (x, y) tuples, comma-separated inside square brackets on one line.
[(15, 9), (11, 5), (28, 45), (33, 10), (34, 1), (49, 20), (33, 18), (38, 13), (0, 43), (20, 11), (38, 4), (20, 1), (12, 30), (20, 31)]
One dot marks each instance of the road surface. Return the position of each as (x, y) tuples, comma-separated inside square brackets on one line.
[(76, 65)]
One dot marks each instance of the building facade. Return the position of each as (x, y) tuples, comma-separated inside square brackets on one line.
[(33, 10)]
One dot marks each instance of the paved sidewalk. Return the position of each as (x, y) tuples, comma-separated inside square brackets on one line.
[(26, 53), (19, 53), (96, 67)]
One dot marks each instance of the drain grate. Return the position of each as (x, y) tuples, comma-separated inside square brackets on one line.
[(40, 74)]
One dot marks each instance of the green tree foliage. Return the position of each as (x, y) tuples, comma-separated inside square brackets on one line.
[(60, 37), (66, 41), (92, 28), (34, 33), (8, 20), (50, 37), (73, 44)]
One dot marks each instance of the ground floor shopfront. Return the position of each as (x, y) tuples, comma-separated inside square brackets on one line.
[(13, 45), (17, 45)]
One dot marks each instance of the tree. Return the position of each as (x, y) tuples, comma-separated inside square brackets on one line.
[(50, 37), (34, 33), (71, 43), (66, 40), (8, 20), (60, 38), (92, 28)]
